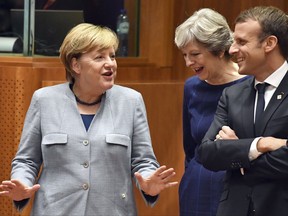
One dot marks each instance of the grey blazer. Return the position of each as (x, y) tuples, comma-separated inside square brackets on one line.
[(84, 172)]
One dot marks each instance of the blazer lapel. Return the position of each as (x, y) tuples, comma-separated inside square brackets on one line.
[(278, 97), (248, 108)]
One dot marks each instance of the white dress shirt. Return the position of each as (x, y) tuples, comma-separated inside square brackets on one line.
[(273, 80)]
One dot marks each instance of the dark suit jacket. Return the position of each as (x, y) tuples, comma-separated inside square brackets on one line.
[(265, 183)]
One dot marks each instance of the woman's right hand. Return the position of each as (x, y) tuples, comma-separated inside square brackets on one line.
[(16, 190)]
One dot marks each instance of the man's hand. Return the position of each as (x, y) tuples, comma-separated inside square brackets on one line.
[(267, 144), (16, 190), (226, 133), (158, 181)]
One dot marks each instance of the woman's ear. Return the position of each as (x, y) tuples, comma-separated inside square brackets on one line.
[(222, 54), (270, 43), (75, 65)]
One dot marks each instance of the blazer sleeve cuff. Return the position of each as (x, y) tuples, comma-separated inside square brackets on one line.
[(19, 205), (149, 200)]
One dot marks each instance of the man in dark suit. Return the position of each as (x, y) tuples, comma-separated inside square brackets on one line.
[(253, 150)]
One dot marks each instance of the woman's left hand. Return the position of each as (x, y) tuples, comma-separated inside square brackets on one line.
[(156, 182)]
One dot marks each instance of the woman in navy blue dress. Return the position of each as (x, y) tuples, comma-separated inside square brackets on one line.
[(204, 39)]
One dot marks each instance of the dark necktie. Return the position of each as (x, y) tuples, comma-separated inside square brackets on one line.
[(260, 102)]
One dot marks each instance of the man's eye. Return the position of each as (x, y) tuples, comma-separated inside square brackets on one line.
[(241, 42)]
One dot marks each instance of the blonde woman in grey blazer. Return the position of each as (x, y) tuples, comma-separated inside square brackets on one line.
[(89, 136)]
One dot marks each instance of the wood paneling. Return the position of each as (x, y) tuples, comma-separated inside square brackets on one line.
[(164, 110), (156, 31), (15, 93)]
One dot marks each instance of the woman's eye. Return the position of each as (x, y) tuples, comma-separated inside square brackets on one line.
[(194, 54), (98, 57)]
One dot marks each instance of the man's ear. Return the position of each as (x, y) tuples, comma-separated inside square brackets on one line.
[(75, 65), (270, 43)]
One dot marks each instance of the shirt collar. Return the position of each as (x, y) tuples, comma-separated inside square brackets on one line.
[(276, 77)]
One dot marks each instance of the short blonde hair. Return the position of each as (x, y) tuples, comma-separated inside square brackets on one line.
[(84, 38)]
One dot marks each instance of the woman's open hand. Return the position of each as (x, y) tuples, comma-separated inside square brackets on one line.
[(156, 182), (16, 190)]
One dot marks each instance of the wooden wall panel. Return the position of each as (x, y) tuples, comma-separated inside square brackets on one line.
[(164, 110), (156, 31), (13, 94), (231, 8)]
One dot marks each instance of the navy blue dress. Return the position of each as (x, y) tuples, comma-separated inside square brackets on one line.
[(200, 189)]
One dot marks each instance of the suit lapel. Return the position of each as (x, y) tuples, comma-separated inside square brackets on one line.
[(278, 97), (248, 108)]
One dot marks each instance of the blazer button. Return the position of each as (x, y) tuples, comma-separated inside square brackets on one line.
[(123, 196), (85, 142), (85, 164), (85, 186)]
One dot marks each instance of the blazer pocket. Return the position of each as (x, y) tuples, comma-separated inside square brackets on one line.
[(118, 139), (55, 139)]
